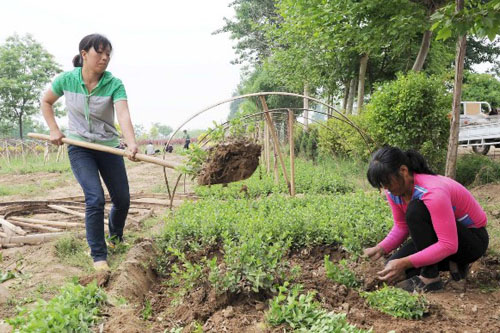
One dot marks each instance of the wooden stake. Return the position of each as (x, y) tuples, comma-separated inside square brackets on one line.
[(35, 226), (275, 138), (291, 143), (49, 223), (38, 238), (66, 210), (7, 225)]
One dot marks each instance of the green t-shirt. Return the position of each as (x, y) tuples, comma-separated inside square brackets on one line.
[(91, 117)]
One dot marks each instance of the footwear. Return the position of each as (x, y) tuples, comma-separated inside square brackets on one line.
[(458, 272), (416, 284), (101, 265)]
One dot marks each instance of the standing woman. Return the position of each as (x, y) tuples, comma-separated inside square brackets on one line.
[(446, 225), (92, 97)]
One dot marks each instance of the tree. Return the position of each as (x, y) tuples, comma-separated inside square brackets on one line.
[(478, 18), (481, 87), (247, 28), (25, 69)]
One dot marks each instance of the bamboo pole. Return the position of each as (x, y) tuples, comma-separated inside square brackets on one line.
[(37, 238), (275, 167), (111, 150), (275, 138), (291, 143), (35, 226), (266, 147), (48, 223), (66, 210), (7, 225)]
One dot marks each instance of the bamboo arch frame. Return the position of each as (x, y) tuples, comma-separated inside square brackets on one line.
[(261, 95)]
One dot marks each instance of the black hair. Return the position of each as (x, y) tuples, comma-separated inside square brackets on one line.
[(386, 161), (94, 40)]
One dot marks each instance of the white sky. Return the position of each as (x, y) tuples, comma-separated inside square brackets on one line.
[(164, 51)]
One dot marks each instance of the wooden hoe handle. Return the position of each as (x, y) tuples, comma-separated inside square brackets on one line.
[(116, 151)]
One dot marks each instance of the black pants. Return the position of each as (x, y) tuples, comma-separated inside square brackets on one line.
[(472, 242)]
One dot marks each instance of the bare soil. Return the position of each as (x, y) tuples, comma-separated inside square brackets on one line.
[(465, 306)]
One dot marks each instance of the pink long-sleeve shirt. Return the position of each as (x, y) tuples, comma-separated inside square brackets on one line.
[(448, 202)]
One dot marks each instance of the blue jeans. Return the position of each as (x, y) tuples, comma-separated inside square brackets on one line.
[(87, 164)]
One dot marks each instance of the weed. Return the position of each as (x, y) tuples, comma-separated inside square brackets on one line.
[(147, 310), (72, 251)]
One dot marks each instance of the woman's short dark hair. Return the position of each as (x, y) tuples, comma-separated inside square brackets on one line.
[(94, 40), (386, 161)]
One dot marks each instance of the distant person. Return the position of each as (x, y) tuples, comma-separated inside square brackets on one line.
[(187, 139), (150, 149), (446, 225), (168, 148), (92, 97)]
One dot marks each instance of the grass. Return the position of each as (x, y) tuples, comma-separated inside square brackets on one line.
[(33, 164), (73, 251)]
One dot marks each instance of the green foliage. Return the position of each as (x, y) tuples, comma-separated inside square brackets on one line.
[(72, 251), (252, 263), (339, 138), (323, 178), (473, 169), (352, 221), (34, 163), (7, 275), (303, 314), (75, 309), (481, 87), (25, 69), (193, 163), (147, 310), (411, 113), (397, 302), (479, 18), (341, 273), (185, 277)]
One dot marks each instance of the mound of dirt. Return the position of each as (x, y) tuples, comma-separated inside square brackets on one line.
[(229, 162)]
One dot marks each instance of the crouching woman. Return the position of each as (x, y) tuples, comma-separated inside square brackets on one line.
[(446, 225)]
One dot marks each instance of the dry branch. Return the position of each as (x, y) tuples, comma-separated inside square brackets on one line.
[(7, 225), (36, 239), (66, 210), (48, 223), (35, 226)]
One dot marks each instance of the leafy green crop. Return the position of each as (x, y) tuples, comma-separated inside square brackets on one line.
[(341, 273), (310, 178), (397, 302), (303, 314), (75, 309)]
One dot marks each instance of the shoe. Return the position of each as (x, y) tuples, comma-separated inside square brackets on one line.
[(101, 265), (457, 271), (416, 284)]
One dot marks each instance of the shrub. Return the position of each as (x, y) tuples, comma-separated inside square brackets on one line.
[(339, 138), (473, 169), (410, 112)]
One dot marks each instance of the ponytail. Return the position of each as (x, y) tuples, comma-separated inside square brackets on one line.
[(78, 61), (386, 161), (417, 163)]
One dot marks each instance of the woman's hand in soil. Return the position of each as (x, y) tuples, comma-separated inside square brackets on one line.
[(394, 269), (374, 252)]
